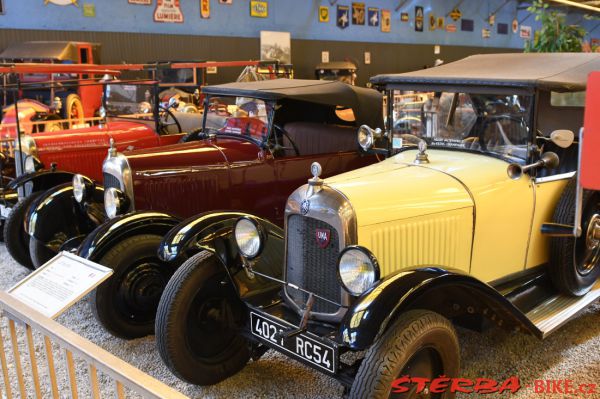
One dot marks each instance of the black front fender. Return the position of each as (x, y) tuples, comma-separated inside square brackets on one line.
[(42, 179), (56, 217), (213, 231), (105, 236), (451, 294)]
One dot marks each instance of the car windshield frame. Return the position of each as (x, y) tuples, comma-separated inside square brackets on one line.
[(270, 107), (153, 86), (528, 117)]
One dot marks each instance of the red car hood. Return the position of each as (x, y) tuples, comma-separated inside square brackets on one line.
[(186, 155)]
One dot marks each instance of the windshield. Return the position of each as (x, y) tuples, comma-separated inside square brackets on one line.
[(490, 123), (126, 100), (238, 115)]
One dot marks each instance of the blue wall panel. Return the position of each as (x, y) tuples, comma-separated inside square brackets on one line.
[(296, 16)]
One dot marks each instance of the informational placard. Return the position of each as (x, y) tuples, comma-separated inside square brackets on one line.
[(168, 11), (60, 283)]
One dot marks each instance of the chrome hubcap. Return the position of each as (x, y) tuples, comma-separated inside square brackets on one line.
[(593, 233)]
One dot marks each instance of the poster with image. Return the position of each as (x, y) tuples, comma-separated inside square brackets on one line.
[(259, 9), (205, 9), (373, 16), (358, 13), (276, 46), (342, 17), (386, 21), (323, 14)]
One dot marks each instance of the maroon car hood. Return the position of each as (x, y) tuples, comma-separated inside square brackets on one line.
[(196, 153)]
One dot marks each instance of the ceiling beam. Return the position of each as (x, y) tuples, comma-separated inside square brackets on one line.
[(572, 3)]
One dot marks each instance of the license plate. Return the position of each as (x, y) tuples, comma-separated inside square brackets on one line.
[(305, 346), (4, 211)]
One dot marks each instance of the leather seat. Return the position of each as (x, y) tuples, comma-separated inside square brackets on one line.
[(318, 138)]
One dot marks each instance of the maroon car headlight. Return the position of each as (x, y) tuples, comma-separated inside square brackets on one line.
[(115, 202)]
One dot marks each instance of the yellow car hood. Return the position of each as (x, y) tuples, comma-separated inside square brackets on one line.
[(397, 188)]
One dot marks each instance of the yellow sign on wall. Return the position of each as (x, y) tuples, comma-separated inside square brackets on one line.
[(259, 9), (323, 14)]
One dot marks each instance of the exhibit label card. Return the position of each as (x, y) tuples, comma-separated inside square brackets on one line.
[(59, 283)]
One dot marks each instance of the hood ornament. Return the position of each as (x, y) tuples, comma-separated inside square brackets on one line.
[(422, 155), (112, 150), (316, 183)]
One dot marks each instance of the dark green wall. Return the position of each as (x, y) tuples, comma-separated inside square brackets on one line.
[(143, 47)]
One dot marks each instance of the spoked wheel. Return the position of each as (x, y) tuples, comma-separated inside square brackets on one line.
[(126, 303), (74, 110), (575, 262), (419, 344), (197, 323)]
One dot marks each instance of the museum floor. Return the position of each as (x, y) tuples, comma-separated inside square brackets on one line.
[(573, 352)]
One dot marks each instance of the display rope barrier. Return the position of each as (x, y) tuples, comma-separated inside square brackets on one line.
[(87, 371)]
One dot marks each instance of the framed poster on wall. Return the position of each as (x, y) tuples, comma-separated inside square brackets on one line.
[(259, 9), (168, 11), (276, 46)]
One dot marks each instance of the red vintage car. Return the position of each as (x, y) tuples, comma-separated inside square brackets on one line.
[(134, 119), (257, 142)]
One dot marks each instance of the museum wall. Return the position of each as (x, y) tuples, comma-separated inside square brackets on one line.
[(128, 32)]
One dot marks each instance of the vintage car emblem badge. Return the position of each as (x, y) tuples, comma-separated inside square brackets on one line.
[(323, 236), (305, 207)]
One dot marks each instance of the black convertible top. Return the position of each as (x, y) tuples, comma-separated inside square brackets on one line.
[(548, 71), (367, 104)]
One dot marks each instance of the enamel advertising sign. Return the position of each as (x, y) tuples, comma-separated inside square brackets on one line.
[(168, 11)]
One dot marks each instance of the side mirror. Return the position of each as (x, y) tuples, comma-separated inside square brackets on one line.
[(367, 136), (562, 138), (549, 160)]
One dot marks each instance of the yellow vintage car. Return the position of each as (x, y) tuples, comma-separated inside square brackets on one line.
[(475, 218)]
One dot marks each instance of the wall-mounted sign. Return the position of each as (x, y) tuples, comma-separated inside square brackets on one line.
[(367, 57), (451, 28), (432, 21), (323, 14), (1, 7), (373, 16), (502, 28), (467, 25), (358, 13), (455, 14), (492, 19), (342, 17), (213, 70), (419, 18), (485, 33), (259, 9), (386, 21), (142, 2), (89, 10), (525, 32), (324, 56), (404, 17), (225, 1), (515, 25), (62, 2), (168, 11), (205, 9), (441, 22)]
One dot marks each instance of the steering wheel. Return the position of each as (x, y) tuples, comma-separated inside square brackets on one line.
[(164, 125), (278, 146)]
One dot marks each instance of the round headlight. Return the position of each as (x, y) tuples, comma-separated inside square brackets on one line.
[(365, 137), (113, 202), (29, 164), (78, 187), (358, 270), (249, 237)]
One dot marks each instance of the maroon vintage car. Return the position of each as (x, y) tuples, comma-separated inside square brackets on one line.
[(257, 142)]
